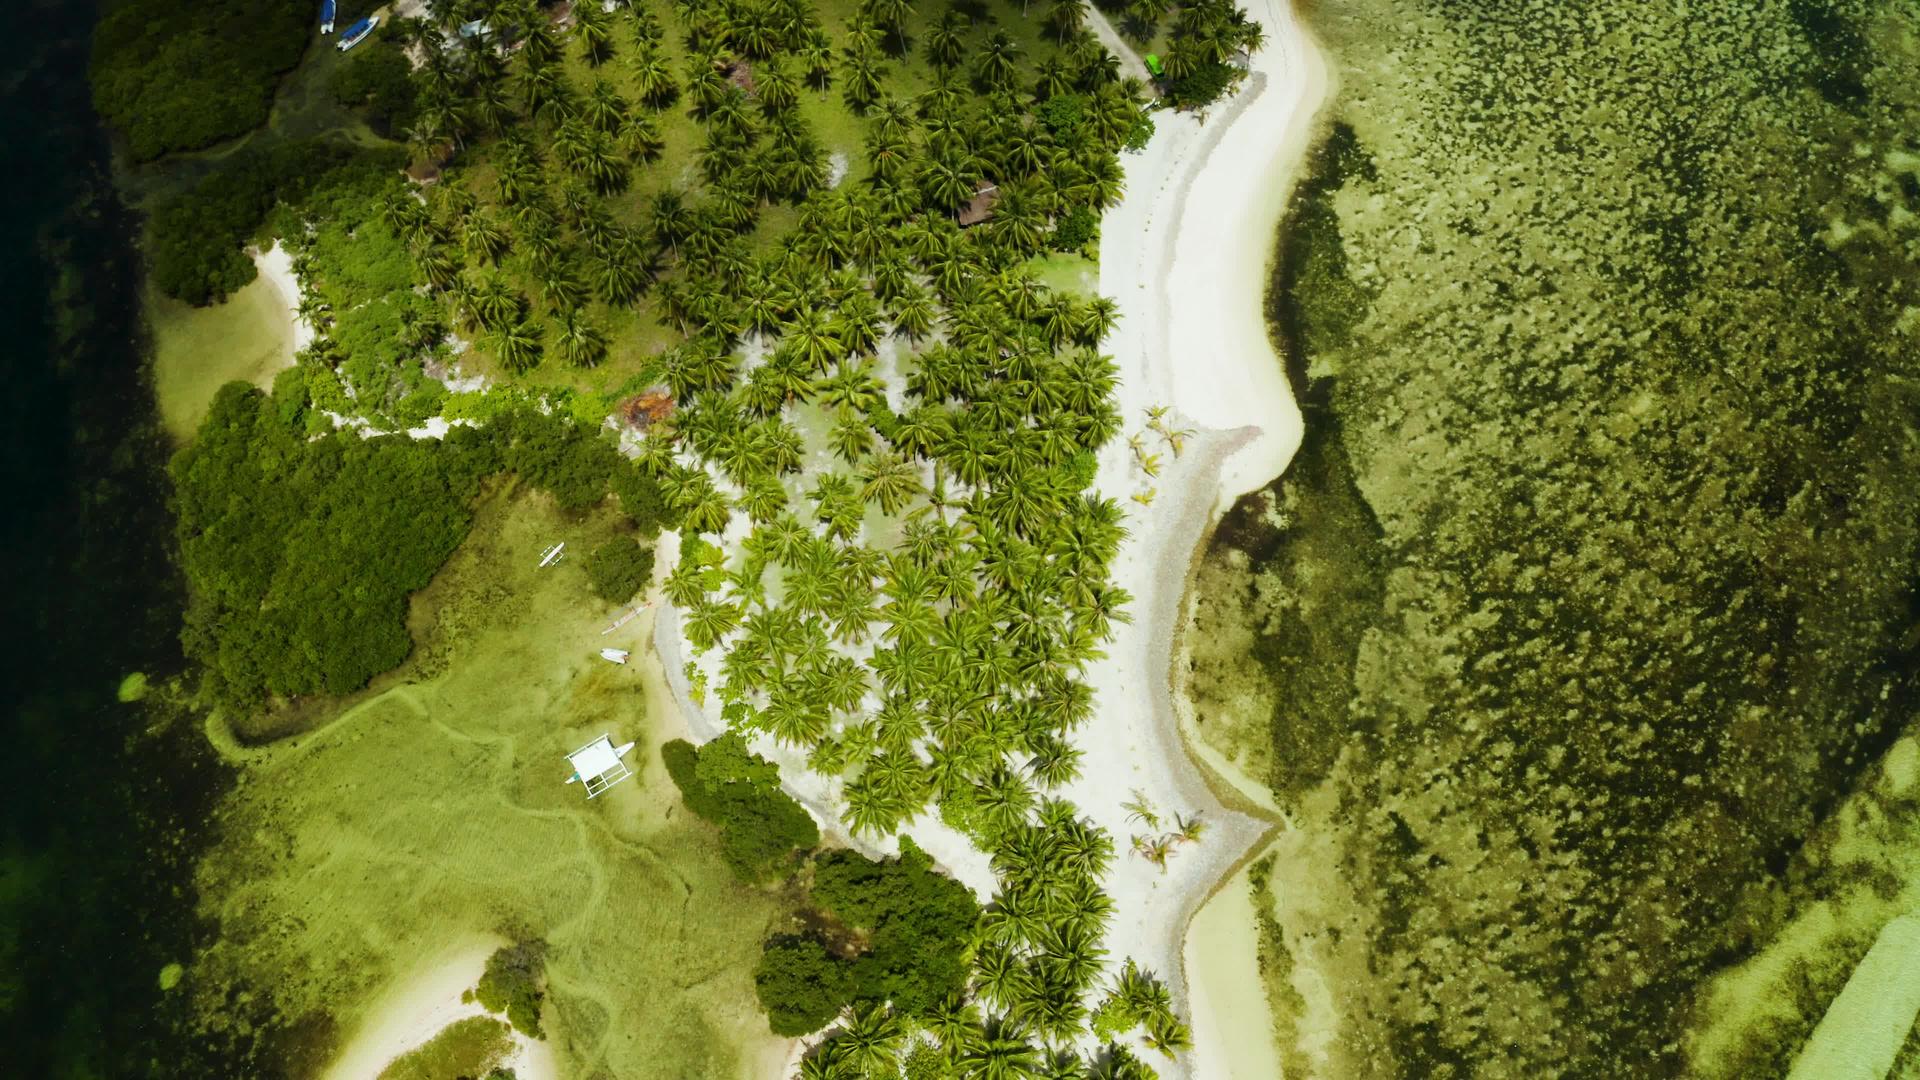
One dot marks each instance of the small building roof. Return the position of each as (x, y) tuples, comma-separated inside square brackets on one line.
[(595, 759), (980, 207)]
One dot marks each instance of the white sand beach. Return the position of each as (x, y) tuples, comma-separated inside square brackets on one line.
[(276, 266), (420, 1006), (1186, 253), (1186, 256)]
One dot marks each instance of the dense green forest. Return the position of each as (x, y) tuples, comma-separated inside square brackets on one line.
[(301, 552), (171, 77), (1593, 587)]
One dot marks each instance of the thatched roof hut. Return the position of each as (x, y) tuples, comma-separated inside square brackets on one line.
[(641, 411), (979, 208)]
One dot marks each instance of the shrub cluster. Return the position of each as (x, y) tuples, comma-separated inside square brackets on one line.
[(619, 568), (896, 932), (762, 829), (300, 555), (194, 238), (515, 984)]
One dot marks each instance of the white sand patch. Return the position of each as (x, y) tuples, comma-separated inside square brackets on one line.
[(1863, 1030), (1186, 253), (1233, 1028), (421, 1005), (276, 265)]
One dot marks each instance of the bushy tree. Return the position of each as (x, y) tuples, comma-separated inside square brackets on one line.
[(761, 826)]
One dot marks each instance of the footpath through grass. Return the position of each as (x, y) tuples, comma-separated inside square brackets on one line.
[(436, 809)]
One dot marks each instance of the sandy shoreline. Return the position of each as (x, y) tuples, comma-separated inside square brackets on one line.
[(421, 1005), (276, 266), (1186, 256)]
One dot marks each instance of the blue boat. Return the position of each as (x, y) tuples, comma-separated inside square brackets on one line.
[(355, 34), (326, 16)]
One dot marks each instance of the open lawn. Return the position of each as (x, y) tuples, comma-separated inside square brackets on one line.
[(435, 810)]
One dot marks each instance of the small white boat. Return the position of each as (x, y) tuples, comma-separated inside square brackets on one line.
[(553, 554), (618, 656), (598, 765), (355, 34)]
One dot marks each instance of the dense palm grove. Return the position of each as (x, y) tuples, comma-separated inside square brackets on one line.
[(885, 422)]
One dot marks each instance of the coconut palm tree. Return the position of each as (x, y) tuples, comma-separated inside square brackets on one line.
[(998, 60), (605, 108), (870, 1040), (891, 481), (1001, 1054), (581, 343), (1065, 19), (516, 344), (653, 78), (708, 621), (946, 40), (594, 27), (861, 82)]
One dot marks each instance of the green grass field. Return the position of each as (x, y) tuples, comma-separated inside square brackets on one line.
[(434, 809)]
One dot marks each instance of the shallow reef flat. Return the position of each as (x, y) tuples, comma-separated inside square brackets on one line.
[(1590, 594)]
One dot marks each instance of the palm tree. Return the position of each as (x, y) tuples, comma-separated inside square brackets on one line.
[(776, 85), (595, 31), (669, 221), (483, 237), (436, 266), (913, 313), (998, 61), (816, 54), (494, 302), (489, 106), (617, 275), (605, 108), (708, 621), (517, 345), (1001, 1055), (560, 286), (891, 481), (946, 39), (640, 137), (1066, 19), (811, 336), (581, 343), (861, 86), (870, 1040), (653, 78)]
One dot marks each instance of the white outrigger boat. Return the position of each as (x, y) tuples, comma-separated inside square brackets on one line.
[(357, 33), (553, 554), (598, 766)]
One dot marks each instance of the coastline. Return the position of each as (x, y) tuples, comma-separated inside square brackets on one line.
[(1186, 254), (251, 336), (276, 266), (421, 1005)]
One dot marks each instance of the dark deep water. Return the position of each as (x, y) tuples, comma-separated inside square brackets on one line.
[(103, 802)]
